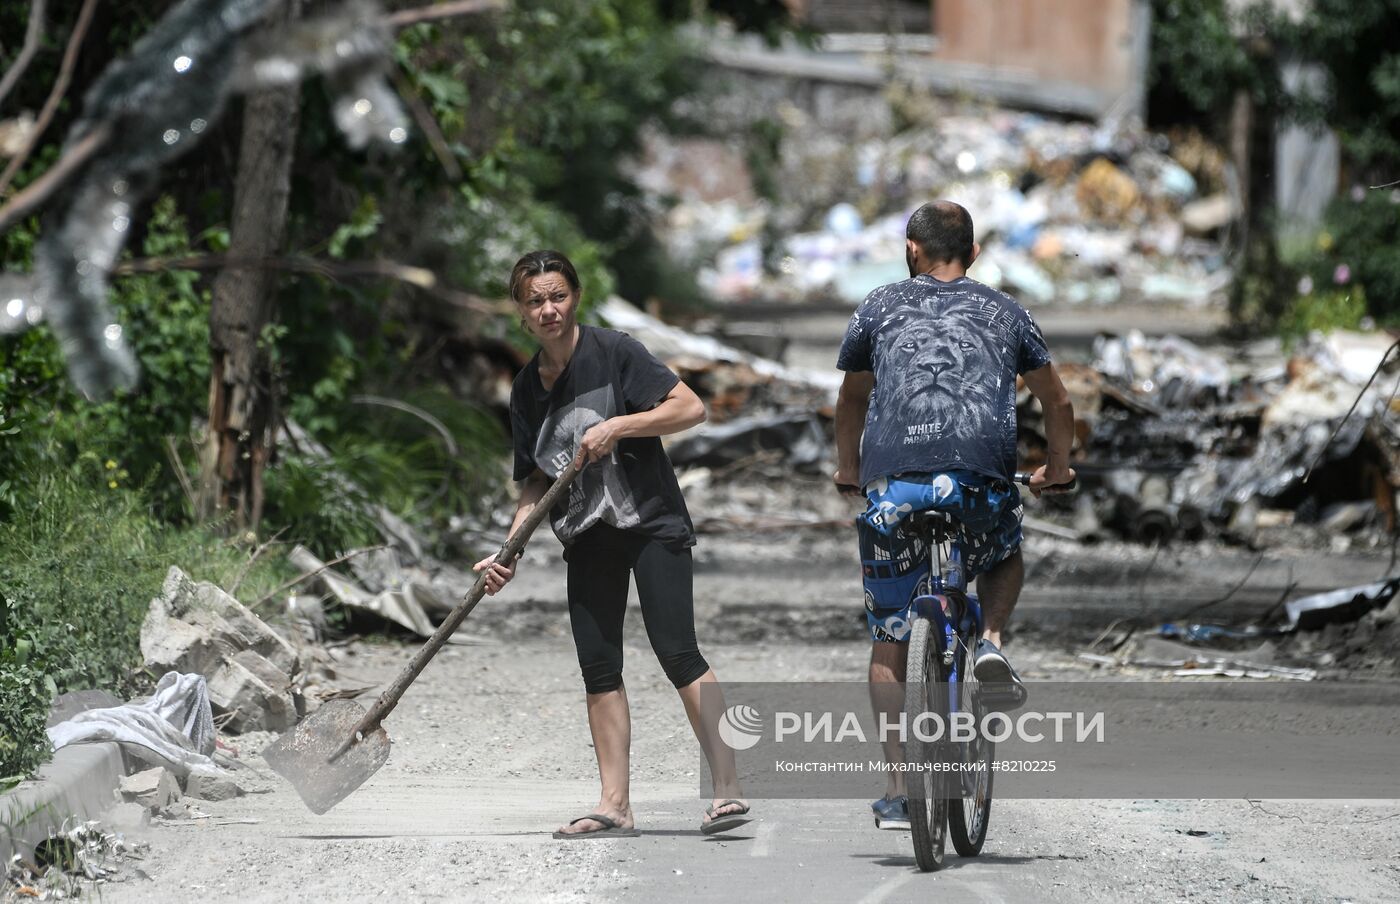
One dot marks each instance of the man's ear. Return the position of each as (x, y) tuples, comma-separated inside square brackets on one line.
[(976, 250), (911, 250)]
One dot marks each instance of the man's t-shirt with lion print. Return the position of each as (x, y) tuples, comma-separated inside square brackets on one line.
[(945, 357)]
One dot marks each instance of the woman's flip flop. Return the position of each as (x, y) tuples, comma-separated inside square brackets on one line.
[(610, 829), (726, 822)]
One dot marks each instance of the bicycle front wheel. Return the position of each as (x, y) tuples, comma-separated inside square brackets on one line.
[(926, 691), (970, 808)]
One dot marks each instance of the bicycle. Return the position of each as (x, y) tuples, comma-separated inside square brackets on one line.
[(947, 623)]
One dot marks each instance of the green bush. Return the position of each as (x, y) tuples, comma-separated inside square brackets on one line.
[(166, 318), (25, 693), (1338, 309), (397, 457), (310, 500), (1360, 246), (1196, 62), (78, 569)]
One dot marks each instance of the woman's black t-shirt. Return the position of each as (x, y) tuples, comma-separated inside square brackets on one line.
[(610, 374)]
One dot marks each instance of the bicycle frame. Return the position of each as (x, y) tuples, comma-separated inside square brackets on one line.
[(956, 613)]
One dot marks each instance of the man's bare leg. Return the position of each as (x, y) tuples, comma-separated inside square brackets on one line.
[(998, 589), (887, 672), (610, 722)]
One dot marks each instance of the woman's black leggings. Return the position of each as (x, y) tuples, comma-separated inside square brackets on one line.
[(600, 562)]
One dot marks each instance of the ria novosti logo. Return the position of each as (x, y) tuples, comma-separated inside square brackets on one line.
[(740, 726)]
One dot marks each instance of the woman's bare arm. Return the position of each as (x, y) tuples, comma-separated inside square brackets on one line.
[(532, 490), (680, 410)]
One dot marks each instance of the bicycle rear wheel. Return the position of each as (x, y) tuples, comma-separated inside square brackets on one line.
[(970, 811), (926, 690)]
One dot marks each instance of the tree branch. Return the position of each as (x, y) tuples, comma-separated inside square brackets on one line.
[(60, 87), (406, 408), (243, 571), (37, 192), (406, 17), (33, 33), (334, 270), (429, 124)]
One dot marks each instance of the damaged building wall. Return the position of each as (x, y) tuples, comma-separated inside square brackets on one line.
[(1095, 45)]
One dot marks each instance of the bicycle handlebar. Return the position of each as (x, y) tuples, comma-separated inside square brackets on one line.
[(1024, 478)]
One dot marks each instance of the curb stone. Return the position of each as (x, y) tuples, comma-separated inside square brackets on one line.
[(79, 781)]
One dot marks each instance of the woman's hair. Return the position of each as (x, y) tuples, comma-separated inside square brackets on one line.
[(538, 262)]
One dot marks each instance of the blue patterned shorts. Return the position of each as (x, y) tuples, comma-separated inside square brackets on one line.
[(895, 564)]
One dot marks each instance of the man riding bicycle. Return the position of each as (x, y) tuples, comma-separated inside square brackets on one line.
[(926, 418)]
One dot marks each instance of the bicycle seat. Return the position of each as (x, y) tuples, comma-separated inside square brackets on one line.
[(932, 524)]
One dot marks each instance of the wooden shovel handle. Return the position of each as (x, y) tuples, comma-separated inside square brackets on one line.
[(390, 698)]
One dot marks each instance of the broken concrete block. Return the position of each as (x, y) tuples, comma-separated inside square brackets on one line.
[(127, 815), (231, 625), (170, 645), (254, 703), (212, 786), (271, 675), (151, 789)]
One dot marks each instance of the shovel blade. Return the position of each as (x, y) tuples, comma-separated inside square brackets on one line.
[(303, 755)]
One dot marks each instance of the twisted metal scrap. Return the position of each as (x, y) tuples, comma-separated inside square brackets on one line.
[(154, 105)]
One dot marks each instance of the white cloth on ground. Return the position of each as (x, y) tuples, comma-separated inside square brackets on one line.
[(174, 728)]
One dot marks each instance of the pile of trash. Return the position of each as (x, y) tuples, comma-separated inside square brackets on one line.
[(1174, 440), (78, 857), (1352, 628), (1065, 211)]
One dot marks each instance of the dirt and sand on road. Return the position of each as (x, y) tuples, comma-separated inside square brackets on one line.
[(492, 752)]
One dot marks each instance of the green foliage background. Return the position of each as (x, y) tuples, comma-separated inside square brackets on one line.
[(1203, 56)]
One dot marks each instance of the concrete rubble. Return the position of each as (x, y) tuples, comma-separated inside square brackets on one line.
[(1173, 440), (212, 787), (256, 678), (196, 627), (152, 789), (128, 815)]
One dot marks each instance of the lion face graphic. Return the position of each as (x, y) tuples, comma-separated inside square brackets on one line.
[(942, 378)]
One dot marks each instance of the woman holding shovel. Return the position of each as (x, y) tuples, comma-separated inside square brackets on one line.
[(599, 398)]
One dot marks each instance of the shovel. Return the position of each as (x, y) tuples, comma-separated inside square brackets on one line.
[(337, 748)]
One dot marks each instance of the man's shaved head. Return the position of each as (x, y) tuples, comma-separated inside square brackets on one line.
[(943, 232)]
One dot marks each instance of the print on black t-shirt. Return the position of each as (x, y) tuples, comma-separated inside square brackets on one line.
[(635, 488)]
